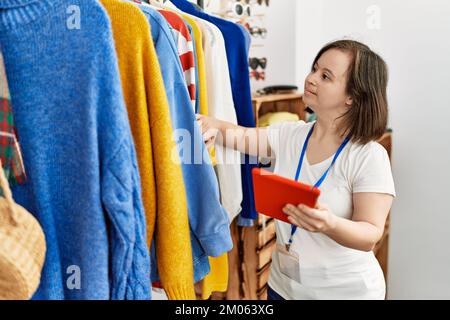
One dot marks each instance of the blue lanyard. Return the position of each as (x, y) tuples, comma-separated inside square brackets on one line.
[(320, 181)]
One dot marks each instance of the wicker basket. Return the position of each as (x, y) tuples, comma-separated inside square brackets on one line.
[(22, 248)]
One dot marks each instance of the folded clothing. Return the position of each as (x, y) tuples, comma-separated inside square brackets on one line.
[(271, 118)]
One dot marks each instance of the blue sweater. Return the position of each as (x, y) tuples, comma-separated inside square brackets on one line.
[(237, 55), (208, 220), (84, 185)]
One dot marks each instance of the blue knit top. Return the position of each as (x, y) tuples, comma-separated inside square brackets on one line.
[(83, 181)]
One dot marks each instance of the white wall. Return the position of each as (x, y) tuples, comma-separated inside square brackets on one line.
[(279, 46), (414, 39)]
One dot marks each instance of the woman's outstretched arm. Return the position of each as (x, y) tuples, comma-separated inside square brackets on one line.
[(251, 141)]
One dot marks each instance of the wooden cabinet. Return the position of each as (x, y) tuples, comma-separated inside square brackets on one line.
[(290, 102), (249, 261)]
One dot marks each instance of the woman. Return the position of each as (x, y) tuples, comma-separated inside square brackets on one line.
[(327, 251)]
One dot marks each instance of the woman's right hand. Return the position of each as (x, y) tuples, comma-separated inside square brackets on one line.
[(209, 127)]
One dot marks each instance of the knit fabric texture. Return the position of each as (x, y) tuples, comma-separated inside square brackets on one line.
[(208, 220), (163, 189), (83, 180)]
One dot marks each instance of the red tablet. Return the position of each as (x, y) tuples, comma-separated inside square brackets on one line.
[(273, 192)]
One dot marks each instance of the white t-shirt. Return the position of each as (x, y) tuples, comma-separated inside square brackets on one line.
[(329, 270)]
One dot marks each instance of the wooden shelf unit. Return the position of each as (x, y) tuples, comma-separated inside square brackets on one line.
[(290, 102)]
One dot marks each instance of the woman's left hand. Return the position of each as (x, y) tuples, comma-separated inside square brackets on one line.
[(318, 219)]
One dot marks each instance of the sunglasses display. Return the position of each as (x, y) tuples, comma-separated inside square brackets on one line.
[(241, 8), (260, 2), (254, 63), (257, 31), (251, 16), (246, 25), (258, 75)]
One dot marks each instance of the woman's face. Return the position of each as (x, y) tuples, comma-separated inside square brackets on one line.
[(325, 86)]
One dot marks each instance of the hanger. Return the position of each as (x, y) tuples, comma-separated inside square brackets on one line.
[(165, 4), (168, 4), (156, 4)]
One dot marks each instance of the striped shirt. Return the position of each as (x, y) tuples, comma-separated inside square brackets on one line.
[(185, 49)]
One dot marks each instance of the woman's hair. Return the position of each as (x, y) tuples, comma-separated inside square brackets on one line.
[(366, 119)]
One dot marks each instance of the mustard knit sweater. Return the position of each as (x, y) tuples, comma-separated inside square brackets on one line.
[(163, 190)]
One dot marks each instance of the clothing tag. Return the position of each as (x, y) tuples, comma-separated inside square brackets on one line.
[(289, 263)]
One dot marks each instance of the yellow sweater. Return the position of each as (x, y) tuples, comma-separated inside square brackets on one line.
[(163, 190), (217, 279)]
